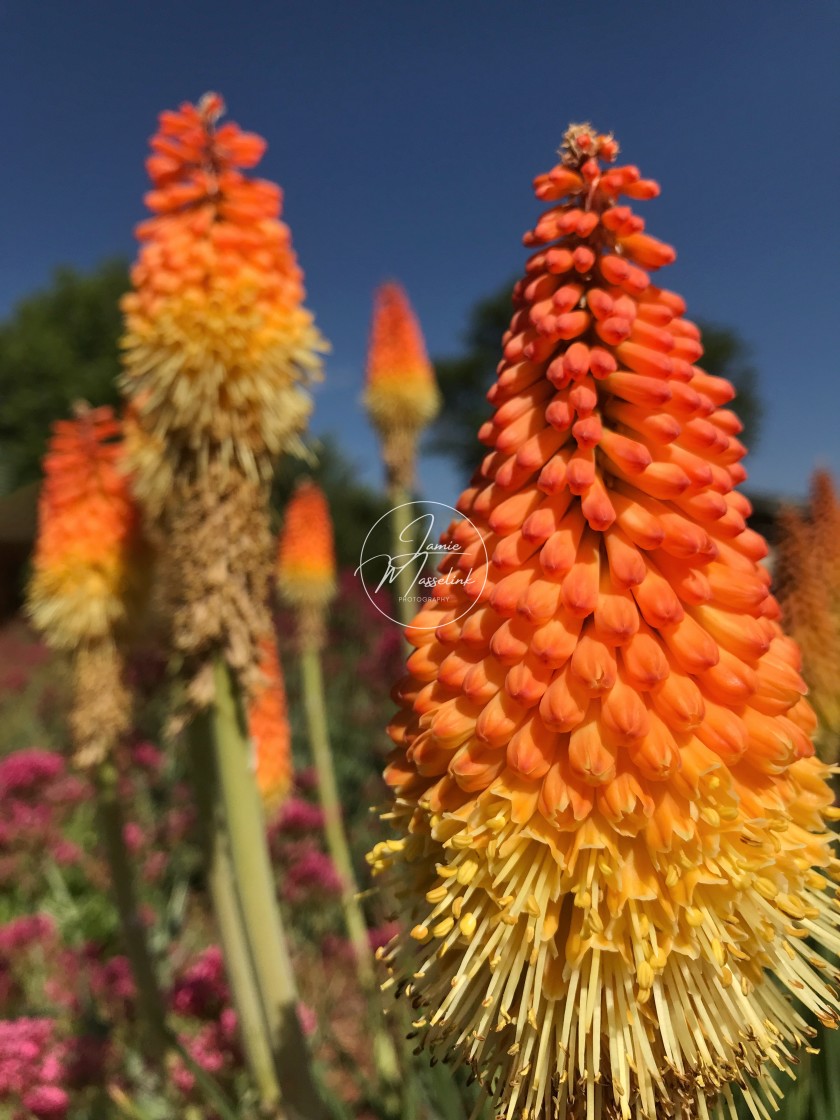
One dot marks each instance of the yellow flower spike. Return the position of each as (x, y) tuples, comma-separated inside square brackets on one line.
[(631, 812), (217, 338)]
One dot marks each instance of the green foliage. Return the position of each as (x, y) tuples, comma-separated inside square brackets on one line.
[(465, 378), (59, 345)]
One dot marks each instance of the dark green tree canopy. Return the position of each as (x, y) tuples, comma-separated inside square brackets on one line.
[(465, 379), (58, 346)]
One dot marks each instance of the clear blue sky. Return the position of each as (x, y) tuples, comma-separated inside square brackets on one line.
[(406, 135)]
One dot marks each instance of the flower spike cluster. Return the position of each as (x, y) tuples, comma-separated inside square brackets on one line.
[(268, 725), (611, 825), (217, 338), (401, 394), (90, 571)]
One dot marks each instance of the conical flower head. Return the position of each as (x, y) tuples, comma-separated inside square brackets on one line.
[(401, 393), (217, 338), (612, 824), (87, 566), (306, 550), (268, 725)]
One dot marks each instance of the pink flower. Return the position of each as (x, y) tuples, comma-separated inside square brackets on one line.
[(201, 991), (133, 836), (147, 756), (47, 1102), (113, 980), (23, 932), (310, 870), (24, 771), (65, 852), (308, 1019), (298, 815), (23, 1045), (306, 779), (154, 866), (379, 936)]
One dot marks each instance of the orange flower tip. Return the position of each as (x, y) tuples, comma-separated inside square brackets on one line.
[(306, 569), (89, 557), (613, 845), (401, 393)]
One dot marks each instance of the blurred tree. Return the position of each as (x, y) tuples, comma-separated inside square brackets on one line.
[(466, 378), (58, 346)]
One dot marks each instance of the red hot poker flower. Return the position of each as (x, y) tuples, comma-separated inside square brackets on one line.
[(86, 567), (217, 338), (613, 831)]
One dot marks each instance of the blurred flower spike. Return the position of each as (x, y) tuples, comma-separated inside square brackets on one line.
[(217, 338), (306, 550), (85, 564), (90, 569), (808, 581), (268, 725), (401, 394), (611, 825)]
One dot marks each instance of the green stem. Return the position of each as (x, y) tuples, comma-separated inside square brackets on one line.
[(339, 850), (221, 883), (150, 1003), (400, 520), (258, 895)]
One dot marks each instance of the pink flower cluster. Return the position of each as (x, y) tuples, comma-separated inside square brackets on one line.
[(309, 871), (35, 1068), (200, 992)]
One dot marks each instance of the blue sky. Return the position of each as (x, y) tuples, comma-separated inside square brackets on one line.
[(405, 136)]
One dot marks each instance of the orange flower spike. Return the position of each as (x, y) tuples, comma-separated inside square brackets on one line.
[(86, 567), (306, 551), (808, 579), (616, 853), (401, 394), (268, 725), (217, 338)]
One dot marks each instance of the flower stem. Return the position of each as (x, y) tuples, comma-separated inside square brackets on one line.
[(400, 520), (221, 883), (150, 1003), (257, 893), (339, 850)]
